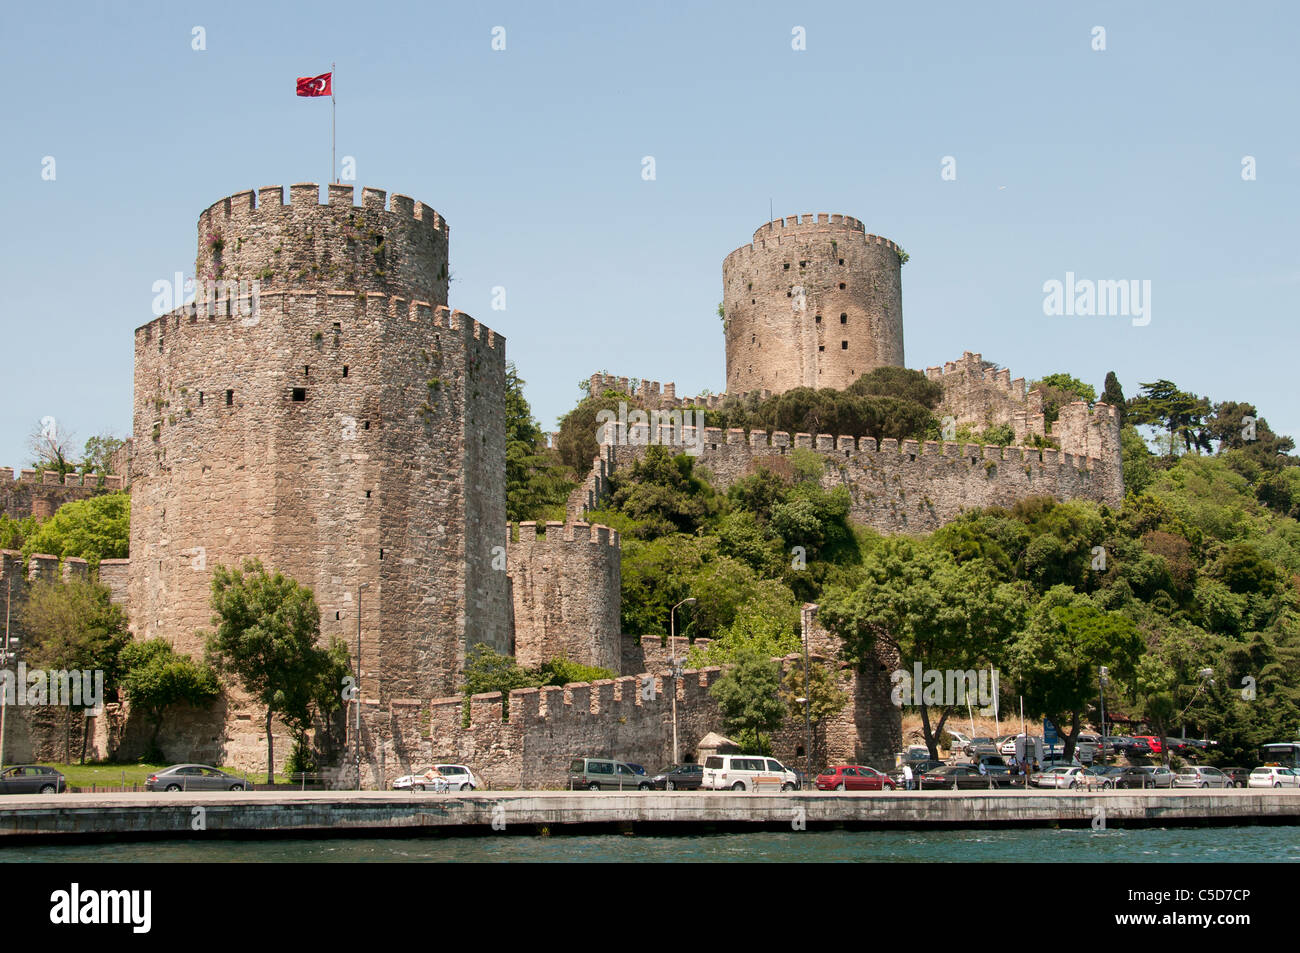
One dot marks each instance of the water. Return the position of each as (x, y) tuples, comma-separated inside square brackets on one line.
[(1182, 845)]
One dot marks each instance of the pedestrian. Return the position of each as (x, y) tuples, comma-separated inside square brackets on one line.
[(907, 776), (983, 767)]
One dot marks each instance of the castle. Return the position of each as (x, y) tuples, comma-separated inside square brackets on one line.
[(815, 301), (323, 410)]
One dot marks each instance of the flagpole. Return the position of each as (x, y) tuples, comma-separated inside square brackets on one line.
[(334, 159)]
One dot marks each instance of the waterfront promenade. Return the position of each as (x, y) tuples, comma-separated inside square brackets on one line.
[(151, 816)]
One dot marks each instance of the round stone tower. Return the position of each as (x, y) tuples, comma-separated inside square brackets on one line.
[(812, 302), (340, 424)]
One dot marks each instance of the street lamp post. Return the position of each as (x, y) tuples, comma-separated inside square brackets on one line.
[(674, 664), (1102, 681), (4, 661), (357, 687), (809, 610)]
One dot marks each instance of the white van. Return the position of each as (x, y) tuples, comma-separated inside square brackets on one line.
[(746, 772)]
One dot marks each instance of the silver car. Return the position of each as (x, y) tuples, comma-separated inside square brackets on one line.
[(194, 777), (1199, 777)]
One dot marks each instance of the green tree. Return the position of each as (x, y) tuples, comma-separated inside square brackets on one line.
[(748, 697), (74, 626), (825, 700), (92, 529), (1059, 390), (662, 493), (267, 628), (97, 456), (1181, 414), (156, 677), (1113, 394), (487, 670), (1056, 659), (536, 484), (924, 605)]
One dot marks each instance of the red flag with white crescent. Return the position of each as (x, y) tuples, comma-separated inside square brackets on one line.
[(315, 85)]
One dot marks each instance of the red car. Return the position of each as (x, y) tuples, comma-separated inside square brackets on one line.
[(853, 777), (1155, 744)]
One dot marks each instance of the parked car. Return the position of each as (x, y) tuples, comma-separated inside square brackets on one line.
[(1272, 776), (981, 746), (1154, 744), (1073, 777), (440, 777), (32, 779), (1239, 776), (854, 777), (918, 768), (639, 769), (194, 777), (746, 772), (1145, 776), (1202, 777), (956, 777), (603, 774), (679, 777)]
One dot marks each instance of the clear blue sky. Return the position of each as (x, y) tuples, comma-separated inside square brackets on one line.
[(1118, 164)]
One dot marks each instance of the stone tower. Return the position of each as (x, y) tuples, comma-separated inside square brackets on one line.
[(341, 424), (812, 302)]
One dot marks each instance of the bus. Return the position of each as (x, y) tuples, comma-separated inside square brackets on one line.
[(1284, 753)]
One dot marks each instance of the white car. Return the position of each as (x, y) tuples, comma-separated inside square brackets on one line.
[(1271, 776), (440, 777), (746, 772)]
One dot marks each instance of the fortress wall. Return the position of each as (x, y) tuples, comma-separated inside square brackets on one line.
[(619, 718), (565, 588), (978, 396), (41, 494), (912, 488)]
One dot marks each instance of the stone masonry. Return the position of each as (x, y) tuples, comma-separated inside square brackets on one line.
[(811, 302), (345, 429)]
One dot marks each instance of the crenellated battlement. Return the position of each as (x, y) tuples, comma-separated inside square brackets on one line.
[(309, 307), (801, 227), (650, 393), (972, 365), (307, 195), (29, 493), (94, 481), (388, 244), (556, 533)]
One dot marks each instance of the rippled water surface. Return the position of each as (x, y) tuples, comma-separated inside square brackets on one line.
[(1184, 845)]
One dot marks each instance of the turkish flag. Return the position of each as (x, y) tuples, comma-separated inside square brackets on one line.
[(315, 85)]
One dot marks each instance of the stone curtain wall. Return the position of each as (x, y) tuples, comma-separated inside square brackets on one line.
[(978, 396), (41, 494), (401, 250), (41, 733), (565, 588), (916, 487), (549, 727), (777, 338)]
